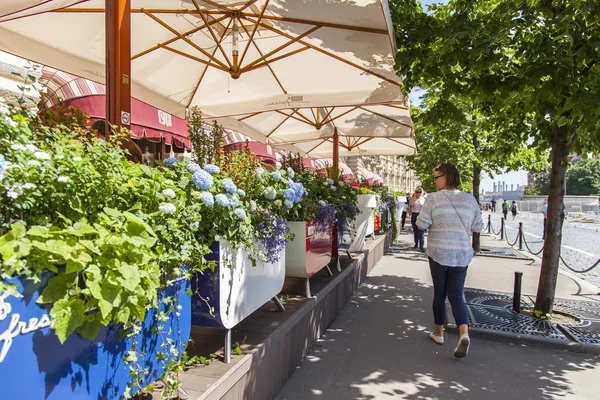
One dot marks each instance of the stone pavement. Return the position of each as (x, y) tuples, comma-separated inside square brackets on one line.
[(378, 347)]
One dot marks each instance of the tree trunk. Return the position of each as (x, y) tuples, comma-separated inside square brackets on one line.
[(476, 184), (544, 302)]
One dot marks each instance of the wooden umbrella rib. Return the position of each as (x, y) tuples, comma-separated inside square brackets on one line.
[(260, 52), (313, 149), (328, 114), (403, 144), (395, 106), (308, 121), (176, 38), (206, 69), (138, 11), (249, 116), (303, 120), (185, 39), (344, 113), (191, 57), (321, 24), (217, 5), (278, 126), (271, 61), (251, 37), (212, 33), (330, 54), (278, 49), (385, 117)]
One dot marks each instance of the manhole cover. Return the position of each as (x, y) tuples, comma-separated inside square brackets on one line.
[(587, 332)]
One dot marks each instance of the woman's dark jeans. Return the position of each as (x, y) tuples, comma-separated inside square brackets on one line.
[(419, 234), (448, 282)]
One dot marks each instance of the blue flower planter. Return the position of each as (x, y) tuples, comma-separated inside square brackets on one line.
[(34, 365)]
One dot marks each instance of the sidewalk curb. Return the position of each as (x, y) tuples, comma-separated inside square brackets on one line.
[(530, 340)]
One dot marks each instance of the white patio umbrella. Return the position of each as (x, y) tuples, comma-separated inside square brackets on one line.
[(12, 9), (225, 56), (382, 129)]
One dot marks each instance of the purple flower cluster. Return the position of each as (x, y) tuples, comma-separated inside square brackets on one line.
[(325, 217), (271, 234)]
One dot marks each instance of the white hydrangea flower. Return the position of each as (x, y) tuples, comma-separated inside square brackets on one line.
[(18, 147), (33, 163), (31, 147), (59, 157), (42, 155), (169, 193), (63, 179), (167, 208), (12, 194), (29, 185)]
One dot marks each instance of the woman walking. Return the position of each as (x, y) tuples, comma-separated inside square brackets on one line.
[(416, 204), (451, 216)]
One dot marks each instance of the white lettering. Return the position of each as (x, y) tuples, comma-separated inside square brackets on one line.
[(17, 327), (164, 118)]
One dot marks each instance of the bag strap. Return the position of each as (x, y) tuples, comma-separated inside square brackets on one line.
[(458, 215)]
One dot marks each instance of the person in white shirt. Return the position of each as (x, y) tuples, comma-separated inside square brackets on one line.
[(545, 212), (404, 212), (451, 216), (416, 204)]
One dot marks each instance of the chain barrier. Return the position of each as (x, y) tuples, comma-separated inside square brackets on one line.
[(491, 226), (576, 270)]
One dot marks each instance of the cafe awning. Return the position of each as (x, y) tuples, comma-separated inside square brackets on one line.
[(146, 121)]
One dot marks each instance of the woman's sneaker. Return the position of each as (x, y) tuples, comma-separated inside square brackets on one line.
[(462, 349), (437, 339)]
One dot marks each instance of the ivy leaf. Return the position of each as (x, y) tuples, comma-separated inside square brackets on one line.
[(113, 213), (14, 243), (146, 170), (138, 309), (81, 229), (123, 315), (39, 231), (58, 247), (73, 266), (67, 315), (131, 276), (134, 218), (57, 288)]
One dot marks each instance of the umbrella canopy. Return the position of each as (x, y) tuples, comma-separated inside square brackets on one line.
[(383, 129), (12, 9), (227, 57)]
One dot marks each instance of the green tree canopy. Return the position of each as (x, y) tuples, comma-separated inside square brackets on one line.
[(583, 177)]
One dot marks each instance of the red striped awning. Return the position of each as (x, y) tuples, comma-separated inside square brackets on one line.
[(236, 140), (146, 121)]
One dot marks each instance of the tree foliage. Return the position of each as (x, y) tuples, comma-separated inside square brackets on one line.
[(583, 178), (530, 64)]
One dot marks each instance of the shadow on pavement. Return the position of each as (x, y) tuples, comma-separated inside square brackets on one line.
[(378, 348)]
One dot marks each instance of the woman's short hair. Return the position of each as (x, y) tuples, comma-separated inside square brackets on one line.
[(451, 173)]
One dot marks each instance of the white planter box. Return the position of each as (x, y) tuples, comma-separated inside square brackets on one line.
[(364, 223), (235, 292)]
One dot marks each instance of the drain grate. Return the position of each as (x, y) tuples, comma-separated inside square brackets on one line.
[(493, 311), (588, 333), (498, 252), (505, 320)]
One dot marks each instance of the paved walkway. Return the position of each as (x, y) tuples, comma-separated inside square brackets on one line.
[(378, 348)]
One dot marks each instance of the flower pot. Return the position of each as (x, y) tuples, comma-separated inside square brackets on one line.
[(309, 252), (236, 288), (365, 222), (34, 365)]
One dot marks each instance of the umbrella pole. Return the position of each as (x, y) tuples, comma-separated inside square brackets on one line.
[(336, 168), (118, 63)]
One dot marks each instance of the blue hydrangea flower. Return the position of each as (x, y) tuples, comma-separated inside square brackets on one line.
[(240, 213), (291, 173), (212, 169), (234, 201), (170, 162), (202, 179), (330, 181), (270, 193), (207, 198), (222, 200), (289, 194), (276, 175), (322, 203), (194, 225), (241, 192), (333, 188), (260, 171), (288, 204), (192, 167), (229, 185)]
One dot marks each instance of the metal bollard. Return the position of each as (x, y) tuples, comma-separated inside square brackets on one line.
[(517, 292), (490, 223), (520, 236), (502, 229)]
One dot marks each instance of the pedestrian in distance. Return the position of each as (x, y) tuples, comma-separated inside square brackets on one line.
[(405, 211), (505, 208), (416, 204), (449, 250), (514, 210), (493, 205), (545, 213)]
